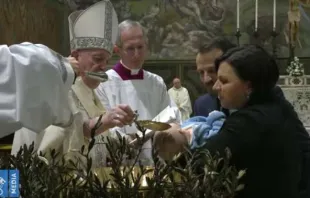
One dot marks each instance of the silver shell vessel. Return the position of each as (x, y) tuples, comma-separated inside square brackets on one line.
[(101, 76)]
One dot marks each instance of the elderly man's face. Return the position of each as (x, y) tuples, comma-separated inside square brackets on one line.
[(206, 68), (94, 60), (134, 48), (177, 83)]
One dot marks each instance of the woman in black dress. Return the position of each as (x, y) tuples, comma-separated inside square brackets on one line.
[(265, 135)]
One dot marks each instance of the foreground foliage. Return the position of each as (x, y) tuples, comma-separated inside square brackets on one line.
[(210, 176)]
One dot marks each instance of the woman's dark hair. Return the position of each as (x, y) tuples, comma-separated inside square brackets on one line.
[(254, 64)]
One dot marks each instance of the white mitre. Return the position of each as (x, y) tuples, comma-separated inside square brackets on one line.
[(96, 27)]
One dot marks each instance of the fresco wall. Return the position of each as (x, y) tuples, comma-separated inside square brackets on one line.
[(176, 28)]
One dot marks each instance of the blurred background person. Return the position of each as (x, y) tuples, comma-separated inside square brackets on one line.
[(180, 96)]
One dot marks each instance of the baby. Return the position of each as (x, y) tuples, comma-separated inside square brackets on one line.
[(193, 132), (202, 128)]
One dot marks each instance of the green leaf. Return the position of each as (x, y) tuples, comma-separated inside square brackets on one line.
[(240, 187)]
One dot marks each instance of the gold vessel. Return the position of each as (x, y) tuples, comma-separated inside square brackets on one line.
[(153, 125)]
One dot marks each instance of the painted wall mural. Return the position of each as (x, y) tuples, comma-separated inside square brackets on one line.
[(176, 28)]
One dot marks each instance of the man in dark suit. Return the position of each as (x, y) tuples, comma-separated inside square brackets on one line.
[(209, 101), (205, 67)]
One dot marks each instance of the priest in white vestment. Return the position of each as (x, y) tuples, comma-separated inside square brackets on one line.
[(92, 33), (34, 85), (129, 84), (180, 96)]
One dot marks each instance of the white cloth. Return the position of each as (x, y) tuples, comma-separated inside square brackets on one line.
[(148, 96), (34, 84), (84, 105), (182, 99)]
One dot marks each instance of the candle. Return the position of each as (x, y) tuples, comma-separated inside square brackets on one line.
[(238, 15), (256, 12), (274, 14)]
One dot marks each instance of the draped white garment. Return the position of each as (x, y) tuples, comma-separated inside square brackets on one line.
[(148, 96), (84, 105), (182, 99), (34, 85)]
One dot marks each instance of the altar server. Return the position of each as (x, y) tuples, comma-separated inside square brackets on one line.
[(130, 84)]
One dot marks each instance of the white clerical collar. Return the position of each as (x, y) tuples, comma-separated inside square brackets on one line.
[(132, 71)]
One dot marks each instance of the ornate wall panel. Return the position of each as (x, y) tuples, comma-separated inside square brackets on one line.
[(297, 91)]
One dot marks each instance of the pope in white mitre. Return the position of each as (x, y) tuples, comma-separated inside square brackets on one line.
[(92, 34)]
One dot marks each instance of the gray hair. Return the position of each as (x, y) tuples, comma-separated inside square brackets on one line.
[(125, 25)]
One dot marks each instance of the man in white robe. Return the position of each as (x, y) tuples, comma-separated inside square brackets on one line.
[(92, 34), (129, 84), (34, 84), (181, 97)]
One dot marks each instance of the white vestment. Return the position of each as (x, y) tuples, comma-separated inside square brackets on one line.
[(84, 105), (95, 28), (34, 84), (148, 96), (182, 99)]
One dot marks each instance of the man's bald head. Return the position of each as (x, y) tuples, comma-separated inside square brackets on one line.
[(176, 83)]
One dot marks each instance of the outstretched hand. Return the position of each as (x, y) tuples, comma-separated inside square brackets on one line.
[(119, 116)]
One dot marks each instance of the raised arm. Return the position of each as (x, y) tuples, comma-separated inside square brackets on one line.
[(34, 84)]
